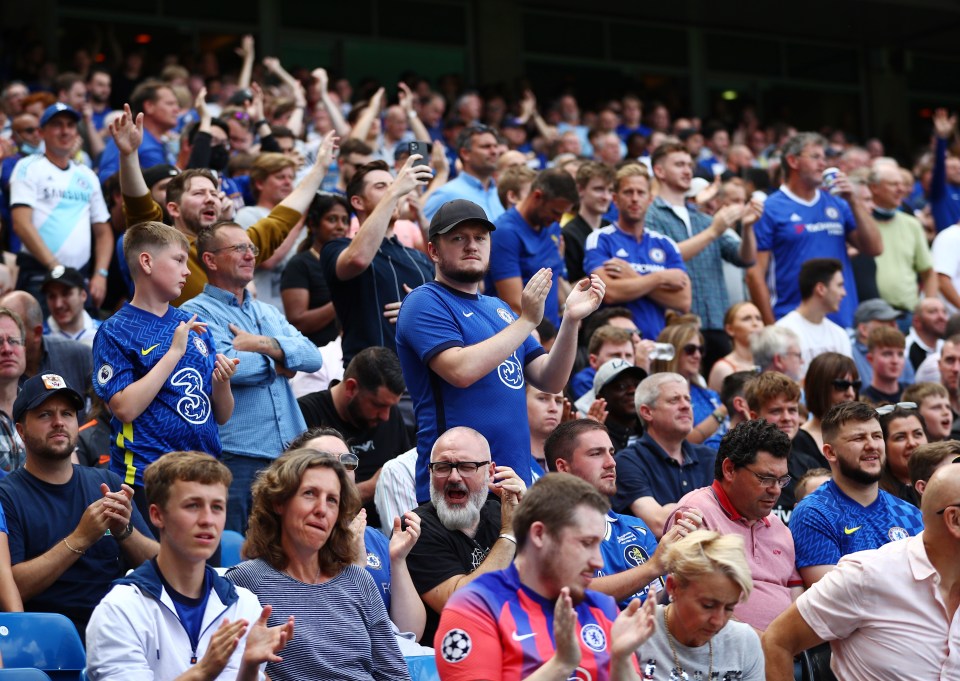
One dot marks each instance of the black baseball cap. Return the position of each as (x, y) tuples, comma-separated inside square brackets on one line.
[(38, 390), (455, 212), (161, 171), (67, 276)]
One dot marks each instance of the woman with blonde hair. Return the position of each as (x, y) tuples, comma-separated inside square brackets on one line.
[(302, 551), (709, 414), (707, 577), (741, 322)]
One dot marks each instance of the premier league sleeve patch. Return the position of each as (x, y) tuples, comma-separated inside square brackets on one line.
[(456, 646), (104, 374)]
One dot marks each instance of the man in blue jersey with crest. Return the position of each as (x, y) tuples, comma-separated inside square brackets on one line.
[(641, 268), (466, 357), (801, 222), (850, 512)]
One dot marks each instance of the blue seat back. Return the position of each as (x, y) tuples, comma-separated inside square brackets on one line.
[(422, 668), (42, 640), (230, 543), (23, 675)]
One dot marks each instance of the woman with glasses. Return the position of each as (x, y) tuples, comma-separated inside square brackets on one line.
[(903, 431), (303, 287), (695, 638), (384, 558), (832, 378), (709, 414), (304, 563), (742, 322)]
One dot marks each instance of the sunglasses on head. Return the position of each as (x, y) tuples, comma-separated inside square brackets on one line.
[(888, 408), (692, 349), (843, 384)]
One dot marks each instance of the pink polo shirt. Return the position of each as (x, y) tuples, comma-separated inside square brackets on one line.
[(769, 550), (884, 615)]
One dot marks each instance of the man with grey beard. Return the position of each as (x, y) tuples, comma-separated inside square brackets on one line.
[(465, 532)]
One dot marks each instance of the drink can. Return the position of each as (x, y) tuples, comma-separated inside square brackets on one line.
[(830, 180), (664, 351)]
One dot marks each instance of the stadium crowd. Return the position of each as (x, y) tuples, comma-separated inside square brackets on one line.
[(539, 391)]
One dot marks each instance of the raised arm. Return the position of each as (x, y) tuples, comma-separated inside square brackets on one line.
[(406, 103), (128, 134), (296, 119), (323, 91), (362, 127), (756, 278), (247, 53), (301, 196)]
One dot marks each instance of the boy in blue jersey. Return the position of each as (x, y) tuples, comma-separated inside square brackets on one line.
[(174, 616), (850, 512), (166, 388), (641, 268), (632, 558)]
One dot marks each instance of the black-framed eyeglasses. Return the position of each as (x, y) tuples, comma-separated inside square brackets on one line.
[(769, 480), (443, 469), (844, 384), (692, 349), (239, 248), (943, 510), (888, 408)]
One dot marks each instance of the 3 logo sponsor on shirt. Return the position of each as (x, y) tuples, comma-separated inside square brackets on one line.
[(593, 637), (897, 533), (194, 406), (510, 372), (456, 646)]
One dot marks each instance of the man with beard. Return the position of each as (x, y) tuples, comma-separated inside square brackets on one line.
[(269, 349), (72, 529), (850, 512), (537, 619), (464, 533), (750, 472), (466, 358), (363, 407), (194, 201), (632, 560)]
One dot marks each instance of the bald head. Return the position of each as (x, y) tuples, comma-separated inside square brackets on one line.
[(26, 306), (941, 494), (462, 439)]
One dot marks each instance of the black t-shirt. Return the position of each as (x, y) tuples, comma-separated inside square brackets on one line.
[(359, 301), (878, 398), (374, 446), (440, 554), (305, 271), (575, 235)]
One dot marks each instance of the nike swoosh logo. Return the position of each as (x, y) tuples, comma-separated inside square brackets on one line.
[(148, 350), (851, 530), (467, 314), (522, 638)]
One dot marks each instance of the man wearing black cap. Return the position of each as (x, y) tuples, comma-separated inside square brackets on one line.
[(466, 356), (72, 529), (66, 296), (54, 203)]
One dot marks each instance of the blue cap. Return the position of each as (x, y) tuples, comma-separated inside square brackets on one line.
[(38, 390), (56, 110)]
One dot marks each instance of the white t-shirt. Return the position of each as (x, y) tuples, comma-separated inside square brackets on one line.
[(65, 203), (816, 339), (944, 250)]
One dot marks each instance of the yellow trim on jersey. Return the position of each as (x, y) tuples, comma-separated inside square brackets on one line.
[(126, 434)]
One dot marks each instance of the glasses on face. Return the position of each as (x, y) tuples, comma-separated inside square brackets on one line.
[(12, 341), (442, 469), (26, 131), (692, 349), (770, 481), (348, 460), (888, 408), (814, 157), (239, 248), (843, 384)]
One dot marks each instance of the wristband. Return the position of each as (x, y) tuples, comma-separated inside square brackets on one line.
[(262, 121), (508, 537), (718, 417), (103, 272), (127, 531), (76, 551)]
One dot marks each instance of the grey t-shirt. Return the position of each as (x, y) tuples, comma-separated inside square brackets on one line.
[(736, 655)]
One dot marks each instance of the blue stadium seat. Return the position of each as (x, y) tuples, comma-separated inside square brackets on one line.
[(230, 543), (422, 668), (23, 675), (42, 640)]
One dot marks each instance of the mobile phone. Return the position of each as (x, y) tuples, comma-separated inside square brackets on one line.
[(422, 148)]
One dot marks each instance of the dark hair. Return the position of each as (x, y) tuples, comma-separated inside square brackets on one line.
[(741, 444), (822, 372), (900, 413), (555, 183), (147, 91), (354, 146), (301, 440), (357, 182), (276, 485), (374, 367), (733, 386), (553, 501), (546, 330), (600, 318), (465, 138), (321, 204), (817, 271), (665, 149), (66, 80), (178, 185), (925, 459), (191, 129), (563, 440), (159, 476), (840, 414)]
